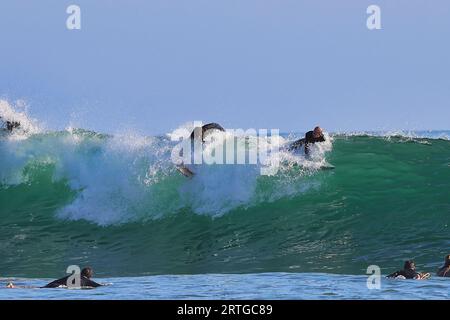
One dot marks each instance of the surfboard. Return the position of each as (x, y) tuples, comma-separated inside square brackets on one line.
[(189, 174), (327, 166), (425, 276), (185, 171)]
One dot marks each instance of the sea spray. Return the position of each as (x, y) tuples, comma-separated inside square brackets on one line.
[(117, 202)]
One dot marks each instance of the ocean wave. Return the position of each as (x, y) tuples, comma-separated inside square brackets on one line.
[(118, 201), (124, 178), (405, 134)]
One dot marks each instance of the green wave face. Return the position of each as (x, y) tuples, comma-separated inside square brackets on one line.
[(122, 208)]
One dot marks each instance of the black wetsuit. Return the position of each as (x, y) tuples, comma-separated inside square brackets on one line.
[(444, 271), (84, 282), (309, 138), (206, 127), (407, 273)]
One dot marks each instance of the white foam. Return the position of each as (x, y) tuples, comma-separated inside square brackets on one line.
[(129, 177), (407, 134)]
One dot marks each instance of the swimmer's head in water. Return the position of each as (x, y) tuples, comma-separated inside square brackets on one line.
[(317, 132), (410, 265), (87, 272)]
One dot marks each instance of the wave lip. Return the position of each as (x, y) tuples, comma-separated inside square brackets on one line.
[(124, 178)]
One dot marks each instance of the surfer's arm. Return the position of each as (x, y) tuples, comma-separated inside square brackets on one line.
[(90, 283), (296, 144), (306, 148), (57, 283), (393, 275), (308, 139)]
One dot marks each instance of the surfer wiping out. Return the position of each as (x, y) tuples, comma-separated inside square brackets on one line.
[(85, 280), (311, 137), (409, 272)]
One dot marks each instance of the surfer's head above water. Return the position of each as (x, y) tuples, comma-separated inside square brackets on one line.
[(87, 272), (317, 132), (409, 265)]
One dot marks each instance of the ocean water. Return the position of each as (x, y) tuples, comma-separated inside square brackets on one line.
[(117, 203), (277, 286)]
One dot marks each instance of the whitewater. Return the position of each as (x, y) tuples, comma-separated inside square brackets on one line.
[(117, 202)]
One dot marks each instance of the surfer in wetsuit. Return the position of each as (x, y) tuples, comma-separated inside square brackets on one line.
[(85, 280), (310, 137), (444, 271), (409, 272)]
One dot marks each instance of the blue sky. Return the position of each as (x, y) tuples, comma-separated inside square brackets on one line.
[(288, 64)]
